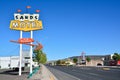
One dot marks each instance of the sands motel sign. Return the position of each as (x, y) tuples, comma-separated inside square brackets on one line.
[(27, 23)]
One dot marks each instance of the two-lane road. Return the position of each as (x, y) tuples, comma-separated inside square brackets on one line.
[(84, 73)]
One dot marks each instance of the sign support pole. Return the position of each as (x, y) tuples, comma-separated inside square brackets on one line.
[(20, 59), (31, 51)]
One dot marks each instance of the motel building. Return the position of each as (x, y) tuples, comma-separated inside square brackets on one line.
[(11, 62)]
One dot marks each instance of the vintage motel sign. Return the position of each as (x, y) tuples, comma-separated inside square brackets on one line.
[(26, 22)]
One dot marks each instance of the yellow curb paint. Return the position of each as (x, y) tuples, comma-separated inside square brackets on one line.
[(52, 78), (106, 68)]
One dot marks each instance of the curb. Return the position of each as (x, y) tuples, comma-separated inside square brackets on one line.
[(48, 75)]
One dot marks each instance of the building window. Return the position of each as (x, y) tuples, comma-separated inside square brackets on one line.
[(8, 65), (27, 57)]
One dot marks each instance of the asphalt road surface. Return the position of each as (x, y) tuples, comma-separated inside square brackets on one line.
[(9, 74), (60, 75), (85, 73)]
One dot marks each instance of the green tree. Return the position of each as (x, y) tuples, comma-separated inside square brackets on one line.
[(62, 62), (58, 62), (116, 56), (39, 56), (88, 59), (75, 60)]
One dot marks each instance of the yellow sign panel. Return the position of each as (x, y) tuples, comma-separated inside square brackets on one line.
[(26, 25)]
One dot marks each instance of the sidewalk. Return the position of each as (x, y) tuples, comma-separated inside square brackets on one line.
[(43, 74)]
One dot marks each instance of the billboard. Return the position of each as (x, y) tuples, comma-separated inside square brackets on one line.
[(26, 22)]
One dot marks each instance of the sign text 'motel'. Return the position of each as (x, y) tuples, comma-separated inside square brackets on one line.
[(26, 22)]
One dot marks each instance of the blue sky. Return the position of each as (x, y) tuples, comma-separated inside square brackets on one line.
[(69, 27)]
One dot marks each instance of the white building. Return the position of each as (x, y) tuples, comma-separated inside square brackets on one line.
[(9, 62), (4, 62), (13, 61)]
